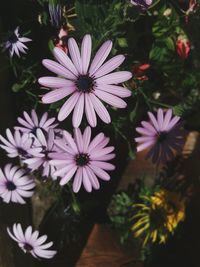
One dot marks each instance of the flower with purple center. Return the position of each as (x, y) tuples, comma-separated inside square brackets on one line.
[(18, 144), (142, 4), (30, 242), (87, 83), (15, 43), (163, 134), (30, 123), (83, 158), (15, 185), (43, 146)]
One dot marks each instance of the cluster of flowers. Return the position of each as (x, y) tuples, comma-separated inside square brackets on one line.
[(55, 153)]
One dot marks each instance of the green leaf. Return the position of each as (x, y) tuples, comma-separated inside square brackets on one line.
[(122, 42)]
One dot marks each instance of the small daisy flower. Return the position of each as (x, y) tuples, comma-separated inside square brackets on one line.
[(88, 84), (30, 242), (15, 185), (15, 43), (164, 135), (30, 123), (143, 4), (42, 148), (84, 159), (17, 145)]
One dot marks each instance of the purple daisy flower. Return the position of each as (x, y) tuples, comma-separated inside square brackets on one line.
[(15, 43), (164, 135), (143, 4), (87, 85), (15, 184), (83, 158), (55, 12), (30, 123), (30, 242), (42, 148), (18, 144)]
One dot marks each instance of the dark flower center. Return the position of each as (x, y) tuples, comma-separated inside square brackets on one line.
[(82, 159), (157, 217), (10, 186), (28, 247), (13, 38), (21, 152), (162, 137), (85, 83)]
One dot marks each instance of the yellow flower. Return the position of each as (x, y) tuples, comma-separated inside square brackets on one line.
[(158, 216)]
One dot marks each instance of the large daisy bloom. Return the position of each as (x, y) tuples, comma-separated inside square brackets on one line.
[(17, 144), (30, 123), (15, 43), (88, 84), (30, 242), (83, 158), (15, 185), (42, 148), (164, 134)]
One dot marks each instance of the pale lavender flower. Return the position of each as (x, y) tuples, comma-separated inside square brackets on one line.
[(84, 159), (30, 123), (15, 43), (163, 135), (142, 4), (15, 185), (17, 144), (87, 83), (30, 242), (42, 148)]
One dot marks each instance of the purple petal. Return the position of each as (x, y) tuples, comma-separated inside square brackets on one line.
[(78, 112), (57, 94), (75, 54), (90, 112), (110, 99), (115, 90), (114, 78), (68, 106), (86, 52), (54, 82)]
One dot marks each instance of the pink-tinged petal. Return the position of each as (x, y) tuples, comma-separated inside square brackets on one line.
[(115, 90), (55, 82), (41, 137), (145, 145), (70, 141), (106, 157), (100, 57), (60, 162), (110, 99), (40, 240), (98, 153), (18, 229), (78, 180), (172, 123), (68, 176), (86, 181), (44, 119), (28, 118), (3, 140), (86, 138), (28, 233), (16, 50), (114, 78), (47, 245), (68, 106), (144, 131), (86, 49), (96, 141), (149, 127), (90, 112), (100, 173), (154, 121), (62, 171), (34, 117), (145, 139), (24, 39), (10, 137), (57, 94), (75, 54), (167, 118), (12, 236), (109, 66), (100, 109), (160, 118), (79, 139), (64, 60), (103, 165), (93, 179), (58, 69), (102, 144), (78, 112)]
